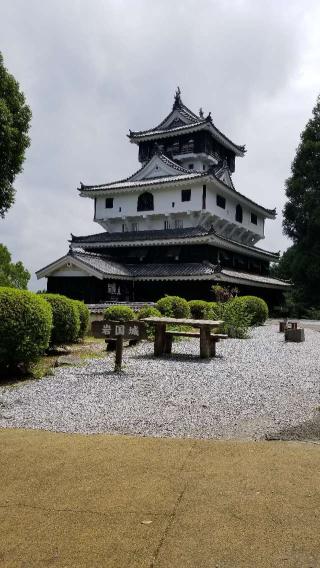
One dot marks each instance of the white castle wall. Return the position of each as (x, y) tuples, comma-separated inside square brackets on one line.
[(124, 211)]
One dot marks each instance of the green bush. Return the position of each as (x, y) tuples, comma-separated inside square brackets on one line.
[(216, 310), (236, 319), (149, 312), (173, 307), (256, 308), (66, 319), (200, 309), (25, 326), (84, 316), (119, 313)]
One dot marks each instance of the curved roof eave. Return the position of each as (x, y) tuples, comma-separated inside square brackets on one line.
[(136, 137)]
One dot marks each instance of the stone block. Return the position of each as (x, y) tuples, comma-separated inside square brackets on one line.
[(296, 335)]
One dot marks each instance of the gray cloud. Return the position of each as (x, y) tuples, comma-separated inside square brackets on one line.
[(92, 70)]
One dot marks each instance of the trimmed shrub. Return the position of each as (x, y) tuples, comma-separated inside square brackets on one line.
[(66, 319), (25, 326), (84, 316), (256, 308), (200, 309), (119, 313), (173, 307), (236, 319), (148, 312)]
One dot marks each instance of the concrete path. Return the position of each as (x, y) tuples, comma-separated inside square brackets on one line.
[(115, 501)]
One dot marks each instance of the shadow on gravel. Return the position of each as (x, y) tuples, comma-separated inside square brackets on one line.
[(309, 430), (189, 357)]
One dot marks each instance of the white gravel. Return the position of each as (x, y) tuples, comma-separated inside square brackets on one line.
[(253, 387)]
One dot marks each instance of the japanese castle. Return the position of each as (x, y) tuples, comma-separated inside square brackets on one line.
[(175, 226)]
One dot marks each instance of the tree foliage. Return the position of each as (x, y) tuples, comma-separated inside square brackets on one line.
[(301, 262), (13, 275), (15, 116)]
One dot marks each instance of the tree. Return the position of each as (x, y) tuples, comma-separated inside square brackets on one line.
[(12, 274), (15, 116), (301, 262)]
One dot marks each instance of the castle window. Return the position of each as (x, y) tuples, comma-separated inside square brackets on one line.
[(190, 166), (186, 195), (134, 227), (145, 202), (239, 214), (221, 202), (172, 203), (109, 203), (178, 224), (167, 224), (254, 219), (123, 227)]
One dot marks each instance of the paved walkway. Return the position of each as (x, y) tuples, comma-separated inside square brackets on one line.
[(115, 501)]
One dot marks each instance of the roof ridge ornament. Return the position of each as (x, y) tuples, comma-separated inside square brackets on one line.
[(201, 112), (177, 99)]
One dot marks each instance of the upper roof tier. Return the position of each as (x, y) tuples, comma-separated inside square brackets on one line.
[(181, 120)]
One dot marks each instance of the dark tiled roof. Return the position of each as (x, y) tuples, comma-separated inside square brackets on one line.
[(175, 270), (100, 263), (130, 237), (228, 275), (161, 234), (206, 124), (193, 122), (170, 270)]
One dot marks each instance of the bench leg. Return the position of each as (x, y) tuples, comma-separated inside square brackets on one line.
[(159, 339), (205, 347), (168, 343), (213, 347)]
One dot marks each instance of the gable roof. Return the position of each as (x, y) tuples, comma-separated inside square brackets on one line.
[(169, 171), (182, 120)]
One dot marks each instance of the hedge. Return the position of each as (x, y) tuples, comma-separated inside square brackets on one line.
[(174, 307), (255, 307), (84, 316), (66, 319), (119, 313), (25, 326)]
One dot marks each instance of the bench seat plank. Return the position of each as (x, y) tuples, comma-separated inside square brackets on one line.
[(195, 334)]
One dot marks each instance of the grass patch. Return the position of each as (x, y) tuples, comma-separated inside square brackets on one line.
[(89, 348)]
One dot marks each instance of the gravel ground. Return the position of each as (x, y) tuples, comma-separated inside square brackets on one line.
[(253, 387)]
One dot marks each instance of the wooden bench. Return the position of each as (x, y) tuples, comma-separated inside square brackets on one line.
[(214, 338)]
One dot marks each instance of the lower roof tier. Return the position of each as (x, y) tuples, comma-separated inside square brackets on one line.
[(193, 235), (80, 263)]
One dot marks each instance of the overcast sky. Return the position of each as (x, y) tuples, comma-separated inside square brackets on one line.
[(92, 69)]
